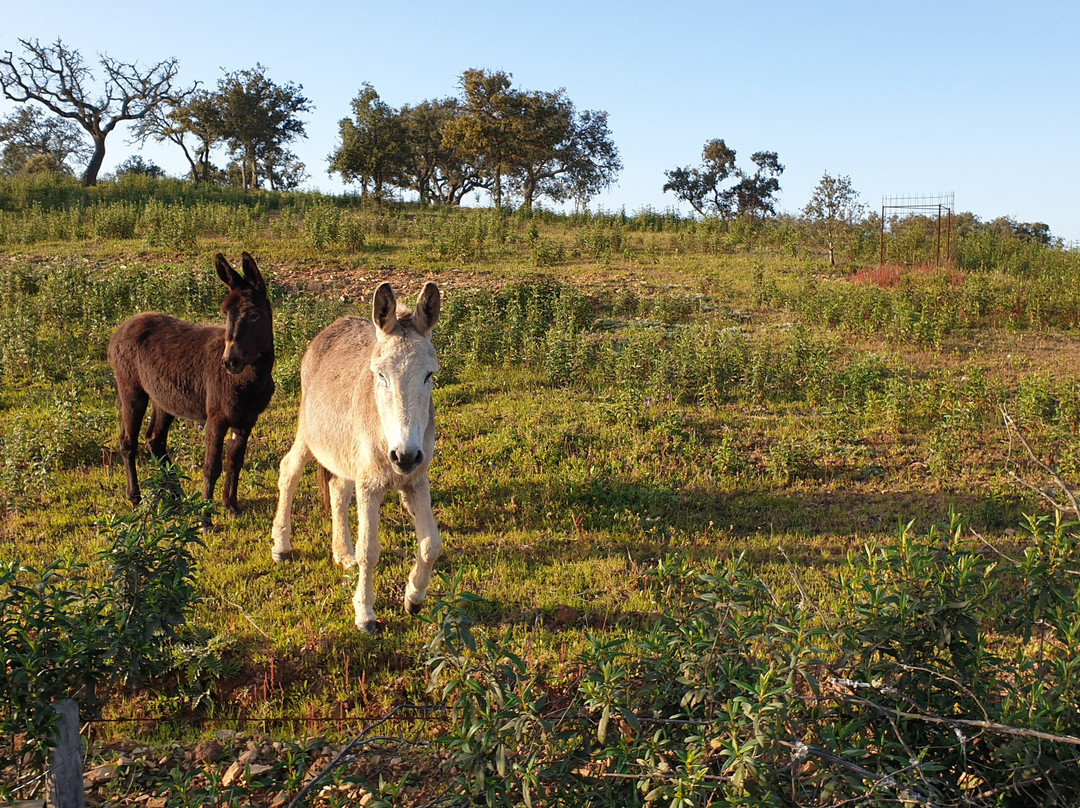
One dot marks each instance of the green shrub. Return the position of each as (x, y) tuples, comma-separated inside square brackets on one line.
[(65, 633), (939, 675)]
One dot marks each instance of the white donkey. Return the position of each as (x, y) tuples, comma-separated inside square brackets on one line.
[(367, 417)]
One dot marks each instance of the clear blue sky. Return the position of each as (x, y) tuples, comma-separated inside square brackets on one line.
[(977, 98)]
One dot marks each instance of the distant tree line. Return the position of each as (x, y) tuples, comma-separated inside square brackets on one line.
[(515, 145), (508, 142)]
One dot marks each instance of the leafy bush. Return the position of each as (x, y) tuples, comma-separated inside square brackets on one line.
[(941, 676), (66, 634)]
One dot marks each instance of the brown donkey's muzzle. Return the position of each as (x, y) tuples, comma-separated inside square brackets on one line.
[(231, 360)]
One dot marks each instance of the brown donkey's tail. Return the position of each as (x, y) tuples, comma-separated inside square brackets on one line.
[(323, 477)]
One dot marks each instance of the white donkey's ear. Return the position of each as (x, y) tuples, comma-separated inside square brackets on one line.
[(427, 308), (384, 310)]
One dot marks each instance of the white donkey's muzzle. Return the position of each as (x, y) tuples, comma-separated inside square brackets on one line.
[(406, 459)]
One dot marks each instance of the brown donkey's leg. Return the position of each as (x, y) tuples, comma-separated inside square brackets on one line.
[(213, 437), (132, 409), (157, 433), (235, 447)]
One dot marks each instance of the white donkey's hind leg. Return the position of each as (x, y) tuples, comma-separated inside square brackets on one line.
[(367, 556), (292, 466), (341, 494), (428, 543)]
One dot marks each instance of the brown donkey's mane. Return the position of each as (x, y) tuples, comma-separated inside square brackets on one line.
[(219, 376)]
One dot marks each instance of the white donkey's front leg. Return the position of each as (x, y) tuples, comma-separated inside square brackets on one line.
[(292, 466), (417, 501), (341, 493), (367, 556)]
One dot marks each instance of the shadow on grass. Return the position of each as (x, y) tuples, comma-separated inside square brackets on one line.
[(627, 508)]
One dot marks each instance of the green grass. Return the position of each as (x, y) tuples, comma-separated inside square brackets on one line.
[(653, 390)]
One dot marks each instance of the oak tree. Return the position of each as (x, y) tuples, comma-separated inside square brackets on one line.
[(484, 133), (560, 153), (258, 120), (372, 146), (530, 143), (435, 170), (707, 191), (192, 120), (703, 188), (755, 194)]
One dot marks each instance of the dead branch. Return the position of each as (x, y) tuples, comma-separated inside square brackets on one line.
[(970, 723), (1013, 430)]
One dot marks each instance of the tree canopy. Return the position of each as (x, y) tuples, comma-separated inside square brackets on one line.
[(34, 141), (706, 190), (258, 120), (372, 144)]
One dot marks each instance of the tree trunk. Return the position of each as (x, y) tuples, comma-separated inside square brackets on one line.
[(193, 166), (527, 192), (91, 174)]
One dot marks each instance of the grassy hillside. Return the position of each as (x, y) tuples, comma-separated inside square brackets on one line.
[(614, 389)]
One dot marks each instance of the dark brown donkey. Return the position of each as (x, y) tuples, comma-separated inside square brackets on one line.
[(209, 374)]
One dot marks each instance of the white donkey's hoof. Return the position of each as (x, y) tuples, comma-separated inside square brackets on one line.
[(413, 607), (369, 627), (282, 556)]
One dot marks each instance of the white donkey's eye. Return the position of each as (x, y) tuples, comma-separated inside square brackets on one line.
[(385, 382)]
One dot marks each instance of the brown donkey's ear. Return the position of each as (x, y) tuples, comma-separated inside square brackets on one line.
[(384, 309), (229, 276), (427, 308), (252, 274)]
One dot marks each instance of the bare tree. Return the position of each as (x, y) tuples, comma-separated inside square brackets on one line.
[(56, 77), (186, 116)]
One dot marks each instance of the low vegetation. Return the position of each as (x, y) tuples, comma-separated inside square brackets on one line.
[(723, 524)]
